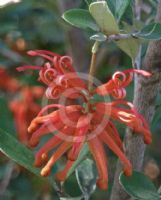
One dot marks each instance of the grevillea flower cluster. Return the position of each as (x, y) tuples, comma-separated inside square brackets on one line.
[(24, 106), (74, 124), (25, 109)]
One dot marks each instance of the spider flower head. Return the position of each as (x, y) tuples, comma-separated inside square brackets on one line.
[(57, 73), (25, 109), (71, 126), (74, 125)]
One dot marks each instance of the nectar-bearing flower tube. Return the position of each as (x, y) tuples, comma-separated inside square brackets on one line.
[(71, 126)]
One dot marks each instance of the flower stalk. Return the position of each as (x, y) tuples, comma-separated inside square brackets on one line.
[(93, 65)]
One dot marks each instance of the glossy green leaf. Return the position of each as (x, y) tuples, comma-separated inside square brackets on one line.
[(19, 153), (80, 18), (104, 17), (86, 176), (100, 37), (150, 32), (139, 186), (119, 7), (81, 157)]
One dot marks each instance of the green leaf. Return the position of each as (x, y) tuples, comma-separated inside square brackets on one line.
[(119, 7), (100, 37), (86, 176), (19, 153), (104, 17), (80, 18), (130, 46), (139, 186), (6, 121), (150, 32), (81, 157)]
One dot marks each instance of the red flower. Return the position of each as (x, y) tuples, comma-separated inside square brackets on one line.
[(120, 80), (58, 73), (25, 109), (93, 126), (74, 125)]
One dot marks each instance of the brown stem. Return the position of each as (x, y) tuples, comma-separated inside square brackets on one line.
[(146, 91)]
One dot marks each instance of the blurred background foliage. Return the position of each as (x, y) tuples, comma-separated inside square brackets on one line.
[(31, 24)]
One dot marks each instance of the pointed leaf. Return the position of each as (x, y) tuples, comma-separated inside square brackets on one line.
[(150, 32), (80, 18), (86, 177), (19, 153), (104, 17), (139, 186), (121, 7)]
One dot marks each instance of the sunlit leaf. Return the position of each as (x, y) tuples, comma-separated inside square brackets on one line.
[(104, 17), (139, 186), (130, 46), (80, 18)]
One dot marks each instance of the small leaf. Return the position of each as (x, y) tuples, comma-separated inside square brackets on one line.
[(150, 32), (86, 177), (104, 17), (81, 157), (130, 46), (80, 18), (139, 186), (100, 37)]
